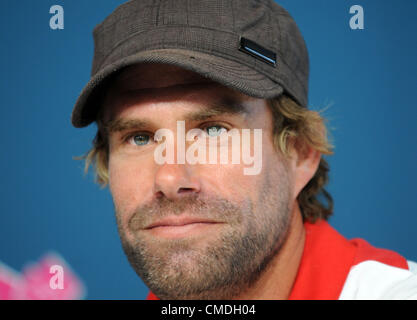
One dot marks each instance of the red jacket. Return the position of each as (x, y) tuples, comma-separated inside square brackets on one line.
[(333, 267)]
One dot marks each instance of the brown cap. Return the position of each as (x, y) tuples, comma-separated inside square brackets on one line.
[(253, 46)]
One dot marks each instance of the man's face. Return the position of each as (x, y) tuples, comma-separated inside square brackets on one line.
[(193, 230)]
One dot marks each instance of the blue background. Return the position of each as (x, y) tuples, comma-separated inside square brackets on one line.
[(368, 77)]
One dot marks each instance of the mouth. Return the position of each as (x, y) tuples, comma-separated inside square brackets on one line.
[(180, 227)]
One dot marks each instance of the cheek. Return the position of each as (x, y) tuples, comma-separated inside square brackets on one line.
[(277, 171), (231, 182), (130, 183), (228, 181)]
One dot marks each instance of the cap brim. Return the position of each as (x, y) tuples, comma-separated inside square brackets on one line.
[(224, 71)]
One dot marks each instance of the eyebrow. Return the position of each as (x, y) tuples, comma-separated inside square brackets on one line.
[(213, 109)]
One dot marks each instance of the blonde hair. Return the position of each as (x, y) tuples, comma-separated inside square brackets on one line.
[(294, 127), (301, 128)]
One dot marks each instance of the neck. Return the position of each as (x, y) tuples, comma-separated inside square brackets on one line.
[(277, 280)]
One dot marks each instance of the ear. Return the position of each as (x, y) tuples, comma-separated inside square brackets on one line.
[(305, 161)]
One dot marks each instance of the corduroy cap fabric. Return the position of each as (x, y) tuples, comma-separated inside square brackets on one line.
[(253, 46)]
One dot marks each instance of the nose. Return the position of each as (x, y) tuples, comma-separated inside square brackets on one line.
[(175, 181)]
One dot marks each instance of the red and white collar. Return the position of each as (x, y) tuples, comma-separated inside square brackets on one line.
[(327, 259)]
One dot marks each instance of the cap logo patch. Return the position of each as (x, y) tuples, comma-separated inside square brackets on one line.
[(257, 51)]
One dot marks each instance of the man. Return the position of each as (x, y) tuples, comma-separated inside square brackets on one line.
[(197, 229)]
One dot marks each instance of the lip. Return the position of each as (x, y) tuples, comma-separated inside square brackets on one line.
[(182, 227), (179, 221)]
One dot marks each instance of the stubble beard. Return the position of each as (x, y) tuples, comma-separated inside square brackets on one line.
[(227, 264)]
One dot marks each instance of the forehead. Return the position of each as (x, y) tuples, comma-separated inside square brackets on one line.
[(153, 82), (155, 75)]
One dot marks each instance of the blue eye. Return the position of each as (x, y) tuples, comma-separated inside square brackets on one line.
[(140, 139), (215, 130)]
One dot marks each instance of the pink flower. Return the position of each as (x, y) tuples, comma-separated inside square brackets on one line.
[(49, 279)]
